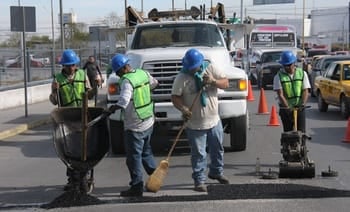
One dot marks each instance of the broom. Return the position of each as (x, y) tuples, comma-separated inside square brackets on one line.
[(156, 179)]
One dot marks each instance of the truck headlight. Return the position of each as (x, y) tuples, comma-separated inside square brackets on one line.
[(237, 85)]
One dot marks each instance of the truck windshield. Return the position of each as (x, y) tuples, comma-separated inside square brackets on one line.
[(168, 35)]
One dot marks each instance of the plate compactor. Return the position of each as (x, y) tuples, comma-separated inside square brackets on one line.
[(295, 163)]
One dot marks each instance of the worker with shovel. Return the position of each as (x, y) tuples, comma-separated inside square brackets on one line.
[(204, 127), (67, 90), (138, 114)]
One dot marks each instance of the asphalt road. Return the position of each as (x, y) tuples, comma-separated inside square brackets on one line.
[(32, 175)]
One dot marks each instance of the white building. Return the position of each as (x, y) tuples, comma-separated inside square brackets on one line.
[(330, 25)]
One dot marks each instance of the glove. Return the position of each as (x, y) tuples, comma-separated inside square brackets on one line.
[(186, 113), (209, 80), (112, 108)]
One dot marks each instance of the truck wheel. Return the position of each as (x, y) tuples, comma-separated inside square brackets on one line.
[(116, 131), (238, 133)]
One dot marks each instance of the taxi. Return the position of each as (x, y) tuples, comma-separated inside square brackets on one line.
[(333, 87)]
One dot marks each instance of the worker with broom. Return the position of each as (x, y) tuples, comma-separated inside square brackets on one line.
[(67, 90), (138, 113), (203, 123)]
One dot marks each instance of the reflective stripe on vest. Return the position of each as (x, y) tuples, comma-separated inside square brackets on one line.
[(292, 88), (142, 101), (71, 93)]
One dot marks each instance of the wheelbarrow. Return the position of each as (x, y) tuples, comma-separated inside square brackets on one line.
[(80, 147)]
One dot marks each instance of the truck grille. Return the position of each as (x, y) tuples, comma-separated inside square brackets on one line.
[(165, 72)]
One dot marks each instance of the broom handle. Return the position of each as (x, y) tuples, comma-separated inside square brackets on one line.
[(182, 127)]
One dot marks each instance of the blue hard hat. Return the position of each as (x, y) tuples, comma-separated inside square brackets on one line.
[(192, 59), (287, 58), (118, 62), (69, 57)]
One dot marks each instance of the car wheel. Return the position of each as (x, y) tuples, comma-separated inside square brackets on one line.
[(116, 131), (238, 133), (344, 107), (322, 105)]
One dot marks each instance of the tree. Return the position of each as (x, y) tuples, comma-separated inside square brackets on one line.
[(14, 40), (112, 20)]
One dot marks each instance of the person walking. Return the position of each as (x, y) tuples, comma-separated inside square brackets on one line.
[(292, 87), (203, 124), (138, 114), (67, 90), (94, 74)]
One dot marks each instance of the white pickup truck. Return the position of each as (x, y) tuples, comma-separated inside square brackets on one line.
[(158, 47)]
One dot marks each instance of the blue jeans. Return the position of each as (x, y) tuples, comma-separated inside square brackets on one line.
[(139, 153), (199, 140)]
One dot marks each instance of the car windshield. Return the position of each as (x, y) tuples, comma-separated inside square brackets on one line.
[(177, 35), (270, 57), (330, 60), (312, 53)]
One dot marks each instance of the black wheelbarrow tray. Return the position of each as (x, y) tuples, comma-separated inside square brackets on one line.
[(69, 141)]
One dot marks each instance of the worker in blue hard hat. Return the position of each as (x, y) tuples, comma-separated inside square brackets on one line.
[(67, 90), (199, 78), (138, 113), (292, 87)]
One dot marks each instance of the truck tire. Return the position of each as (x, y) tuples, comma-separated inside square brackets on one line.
[(116, 131), (238, 133)]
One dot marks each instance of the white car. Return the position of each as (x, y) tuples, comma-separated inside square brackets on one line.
[(34, 62)]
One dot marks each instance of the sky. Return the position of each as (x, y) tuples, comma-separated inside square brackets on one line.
[(91, 12)]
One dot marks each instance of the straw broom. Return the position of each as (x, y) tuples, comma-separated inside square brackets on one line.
[(155, 180)]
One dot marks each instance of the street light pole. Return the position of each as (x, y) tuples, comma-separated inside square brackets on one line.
[(303, 25), (61, 26), (53, 41)]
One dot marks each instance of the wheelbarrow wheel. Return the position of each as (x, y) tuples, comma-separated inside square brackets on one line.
[(91, 186), (90, 182)]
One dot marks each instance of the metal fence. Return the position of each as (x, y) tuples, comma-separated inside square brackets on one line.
[(42, 65)]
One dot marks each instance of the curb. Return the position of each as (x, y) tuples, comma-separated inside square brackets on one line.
[(37, 123), (23, 127)]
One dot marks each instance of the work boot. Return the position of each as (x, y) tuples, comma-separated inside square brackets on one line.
[(200, 188), (133, 191), (221, 178)]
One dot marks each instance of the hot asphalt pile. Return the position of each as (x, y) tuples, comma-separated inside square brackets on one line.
[(72, 198), (215, 192)]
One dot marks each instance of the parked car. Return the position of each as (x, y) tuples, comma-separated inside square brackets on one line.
[(319, 68), (333, 87), (17, 62)]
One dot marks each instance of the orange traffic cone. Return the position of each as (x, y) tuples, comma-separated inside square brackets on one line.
[(347, 135), (273, 118), (262, 103), (250, 96)]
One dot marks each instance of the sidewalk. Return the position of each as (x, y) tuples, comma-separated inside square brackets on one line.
[(13, 120)]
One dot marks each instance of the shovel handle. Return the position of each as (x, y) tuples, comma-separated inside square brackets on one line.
[(98, 118)]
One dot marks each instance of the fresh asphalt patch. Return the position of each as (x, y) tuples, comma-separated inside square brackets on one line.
[(215, 192)]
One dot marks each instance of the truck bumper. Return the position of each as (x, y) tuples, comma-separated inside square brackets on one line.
[(166, 112)]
